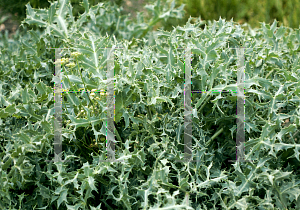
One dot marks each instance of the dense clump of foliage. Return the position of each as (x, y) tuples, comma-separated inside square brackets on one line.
[(18, 7), (149, 113), (251, 12)]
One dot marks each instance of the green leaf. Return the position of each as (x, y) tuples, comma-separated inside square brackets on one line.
[(3, 101), (214, 45), (158, 100), (11, 109), (25, 96), (3, 114), (171, 58), (24, 137), (274, 26), (51, 12), (136, 120), (33, 18), (280, 32), (41, 47), (268, 32), (47, 126), (41, 87), (7, 163), (73, 99), (194, 112), (44, 191), (212, 55), (250, 126), (77, 206), (86, 5), (290, 128), (80, 122), (74, 79), (126, 118), (96, 208), (62, 197), (91, 182)]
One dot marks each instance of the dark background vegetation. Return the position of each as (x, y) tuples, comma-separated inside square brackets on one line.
[(12, 12)]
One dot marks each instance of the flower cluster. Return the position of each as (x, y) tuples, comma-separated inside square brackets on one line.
[(62, 61), (75, 54), (71, 65), (93, 94), (102, 92)]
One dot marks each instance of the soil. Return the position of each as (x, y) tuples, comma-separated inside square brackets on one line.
[(9, 24), (133, 6)]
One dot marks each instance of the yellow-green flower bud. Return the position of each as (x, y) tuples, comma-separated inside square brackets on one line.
[(75, 54), (71, 65), (62, 61), (102, 92)]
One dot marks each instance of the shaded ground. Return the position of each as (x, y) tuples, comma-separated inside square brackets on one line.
[(7, 22), (134, 6)]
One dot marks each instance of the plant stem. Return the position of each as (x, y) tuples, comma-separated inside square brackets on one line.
[(84, 84), (205, 102), (174, 186), (214, 136), (150, 114), (69, 80), (117, 134)]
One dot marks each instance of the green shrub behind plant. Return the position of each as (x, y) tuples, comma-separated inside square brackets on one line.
[(245, 11)]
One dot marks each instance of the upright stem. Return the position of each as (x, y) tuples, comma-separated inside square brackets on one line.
[(214, 136), (204, 103), (84, 84)]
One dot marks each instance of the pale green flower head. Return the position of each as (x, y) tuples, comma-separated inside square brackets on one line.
[(102, 92), (71, 65), (62, 61), (75, 54)]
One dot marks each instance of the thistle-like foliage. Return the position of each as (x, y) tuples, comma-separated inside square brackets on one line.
[(149, 91)]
